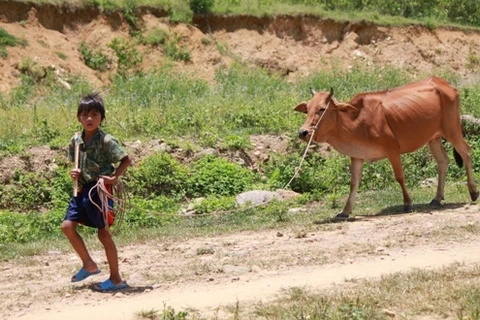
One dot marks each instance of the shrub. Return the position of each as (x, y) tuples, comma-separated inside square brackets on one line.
[(130, 16), (201, 6), (214, 203), (175, 51), (159, 174), (45, 131), (156, 36), (236, 142), (178, 12), (23, 228), (95, 60), (152, 213), (216, 176), (128, 58), (277, 209), (7, 39), (62, 189), (317, 174), (27, 191)]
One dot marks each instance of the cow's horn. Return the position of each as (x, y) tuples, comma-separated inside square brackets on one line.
[(331, 92), (312, 91)]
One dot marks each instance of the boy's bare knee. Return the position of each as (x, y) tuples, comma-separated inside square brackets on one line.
[(104, 235), (68, 226)]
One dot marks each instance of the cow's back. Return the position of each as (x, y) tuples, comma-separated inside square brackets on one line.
[(414, 113)]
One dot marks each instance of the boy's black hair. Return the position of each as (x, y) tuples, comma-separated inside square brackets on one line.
[(93, 101)]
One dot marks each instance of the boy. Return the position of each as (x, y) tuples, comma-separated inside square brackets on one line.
[(98, 153)]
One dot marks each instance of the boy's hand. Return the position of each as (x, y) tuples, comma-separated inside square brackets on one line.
[(75, 174), (109, 179)]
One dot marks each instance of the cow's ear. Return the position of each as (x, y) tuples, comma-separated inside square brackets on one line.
[(302, 107)]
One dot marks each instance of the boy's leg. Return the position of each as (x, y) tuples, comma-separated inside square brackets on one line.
[(112, 257), (69, 228)]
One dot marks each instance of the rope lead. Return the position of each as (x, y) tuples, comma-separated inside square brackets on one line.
[(299, 168)]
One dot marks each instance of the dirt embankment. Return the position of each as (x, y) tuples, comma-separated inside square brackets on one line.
[(290, 45)]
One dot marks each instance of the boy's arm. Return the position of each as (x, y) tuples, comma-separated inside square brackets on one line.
[(122, 167)]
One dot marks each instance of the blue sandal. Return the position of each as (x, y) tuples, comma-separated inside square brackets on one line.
[(109, 286), (83, 274)]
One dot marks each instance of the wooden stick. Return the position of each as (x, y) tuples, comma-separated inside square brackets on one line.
[(77, 155)]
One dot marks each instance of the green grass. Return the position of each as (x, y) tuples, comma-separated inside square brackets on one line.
[(7, 40), (190, 113), (165, 104), (40, 235)]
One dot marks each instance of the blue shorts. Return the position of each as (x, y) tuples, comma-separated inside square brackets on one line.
[(82, 210)]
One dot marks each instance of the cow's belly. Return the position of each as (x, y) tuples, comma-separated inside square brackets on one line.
[(413, 143), (367, 153)]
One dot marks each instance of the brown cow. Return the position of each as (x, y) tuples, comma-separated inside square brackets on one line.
[(378, 125)]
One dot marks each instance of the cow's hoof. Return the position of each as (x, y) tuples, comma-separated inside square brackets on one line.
[(407, 208), (474, 195), (435, 203), (341, 216)]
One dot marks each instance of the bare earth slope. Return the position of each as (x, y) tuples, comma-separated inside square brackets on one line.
[(245, 267), (291, 46)]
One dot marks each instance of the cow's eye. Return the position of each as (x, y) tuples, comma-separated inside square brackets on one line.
[(321, 110)]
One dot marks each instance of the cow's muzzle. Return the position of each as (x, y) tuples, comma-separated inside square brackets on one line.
[(302, 133)]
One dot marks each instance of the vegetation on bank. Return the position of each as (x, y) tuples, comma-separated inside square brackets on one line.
[(429, 12), (191, 114)]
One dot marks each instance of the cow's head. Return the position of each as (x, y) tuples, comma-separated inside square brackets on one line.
[(321, 106)]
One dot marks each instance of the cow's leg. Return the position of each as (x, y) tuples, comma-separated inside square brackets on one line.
[(441, 158), (464, 151), (396, 162), (356, 166)]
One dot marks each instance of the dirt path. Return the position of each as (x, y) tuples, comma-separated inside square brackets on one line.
[(241, 267), (208, 297)]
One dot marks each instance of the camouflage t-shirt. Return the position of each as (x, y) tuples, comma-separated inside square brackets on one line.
[(97, 157)]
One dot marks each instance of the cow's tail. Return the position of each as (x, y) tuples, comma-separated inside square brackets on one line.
[(458, 158), (470, 126)]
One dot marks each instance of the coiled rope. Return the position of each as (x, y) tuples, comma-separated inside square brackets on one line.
[(120, 199)]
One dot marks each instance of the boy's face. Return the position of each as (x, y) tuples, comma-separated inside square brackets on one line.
[(90, 120)]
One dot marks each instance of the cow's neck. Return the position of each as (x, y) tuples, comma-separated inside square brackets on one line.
[(348, 138), (348, 127)]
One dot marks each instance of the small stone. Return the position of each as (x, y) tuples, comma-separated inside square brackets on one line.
[(389, 313)]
